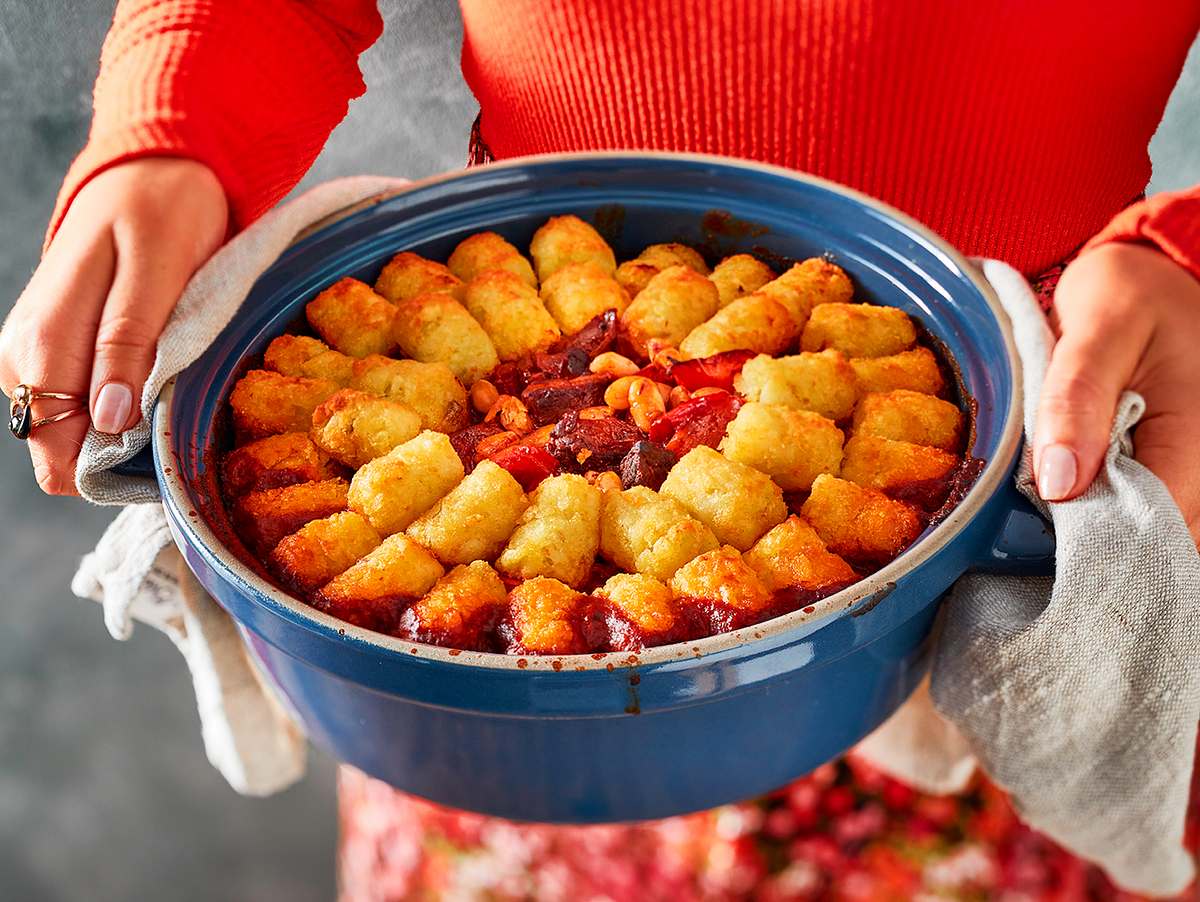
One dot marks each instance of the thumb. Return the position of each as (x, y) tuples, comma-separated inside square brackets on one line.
[(1092, 363)]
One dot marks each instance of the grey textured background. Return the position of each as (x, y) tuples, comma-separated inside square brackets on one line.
[(105, 793)]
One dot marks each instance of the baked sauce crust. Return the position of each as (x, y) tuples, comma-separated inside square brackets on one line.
[(552, 453)]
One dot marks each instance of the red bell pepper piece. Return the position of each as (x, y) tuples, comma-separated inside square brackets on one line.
[(700, 421), (716, 371), (528, 464)]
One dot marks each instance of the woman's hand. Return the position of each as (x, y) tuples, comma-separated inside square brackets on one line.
[(1128, 317), (89, 320)]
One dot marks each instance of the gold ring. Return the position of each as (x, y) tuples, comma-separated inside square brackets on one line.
[(21, 422)]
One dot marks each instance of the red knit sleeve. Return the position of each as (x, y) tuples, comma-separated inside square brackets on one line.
[(1170, 221), (252, 90)]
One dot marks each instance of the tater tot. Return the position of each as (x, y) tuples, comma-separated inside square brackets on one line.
[(580, 291), (398, 568), (752, 323), (265, 403), (352, 318), (891, 466), (559, 533), (393, 490), (475, 519), (806, 285), (300, 355), (792, 555), (407, 275), (354, 427), (482, 251), (645, 532), (739, 275), (916, 370), (909, 416), (459, 608), (429, 389), (822, 382), (265, 516), (819, 282), (646, 602), (544, 617), (633, 275), (859, 330), (287, 354), (737, 502), (673, 253), (860, 524), (275, 461), (722, 576), (435, 328), (793, 447), (568, 239), (320, 550), (674, 303), (511, 314)]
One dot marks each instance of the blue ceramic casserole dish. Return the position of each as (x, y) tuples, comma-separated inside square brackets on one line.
[(673, 729)]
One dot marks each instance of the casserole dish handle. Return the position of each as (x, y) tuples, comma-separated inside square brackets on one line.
[(1024, 542)]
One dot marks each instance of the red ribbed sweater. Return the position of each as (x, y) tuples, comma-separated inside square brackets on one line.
[(1018, 130)]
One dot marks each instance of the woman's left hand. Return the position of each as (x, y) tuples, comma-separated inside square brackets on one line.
[(1127, 316)]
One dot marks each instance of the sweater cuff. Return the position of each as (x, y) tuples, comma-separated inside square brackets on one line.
[(1169, 221)]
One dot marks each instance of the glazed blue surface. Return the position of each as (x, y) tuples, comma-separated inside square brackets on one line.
[(643, 739)]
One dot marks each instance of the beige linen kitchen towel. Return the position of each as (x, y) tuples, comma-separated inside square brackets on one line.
[(1078, 695), (137, 573)]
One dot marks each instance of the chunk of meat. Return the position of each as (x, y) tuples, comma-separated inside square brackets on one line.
[(466, 441), (598, 336), (548, 401), (599, 444), (648, 464)]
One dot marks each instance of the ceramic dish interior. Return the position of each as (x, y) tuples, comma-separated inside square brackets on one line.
[(993, 385)]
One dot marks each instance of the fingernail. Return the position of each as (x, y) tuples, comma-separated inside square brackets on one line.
[(111, 411), (1057, 469)]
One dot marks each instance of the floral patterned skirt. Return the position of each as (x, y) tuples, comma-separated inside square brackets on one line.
[(845, 832)]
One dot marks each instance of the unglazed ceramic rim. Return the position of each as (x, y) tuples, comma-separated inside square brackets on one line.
[(986, 484)]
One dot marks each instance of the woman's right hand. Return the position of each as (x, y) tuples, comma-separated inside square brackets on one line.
[(89, 320)]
